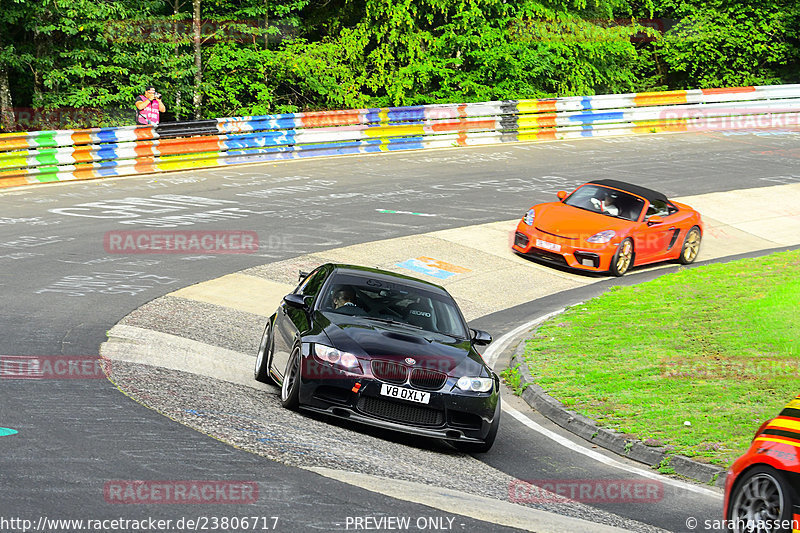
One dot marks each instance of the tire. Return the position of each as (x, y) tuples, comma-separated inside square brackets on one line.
[(290, 387), (486, 445), (623, 259), (264, 357), (762, 494), (691, 246)]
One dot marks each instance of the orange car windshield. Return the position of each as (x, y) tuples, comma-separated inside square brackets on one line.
[(609, 202)]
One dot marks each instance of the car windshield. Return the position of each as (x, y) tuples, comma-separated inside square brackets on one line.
[(392, 301), (609, 202)]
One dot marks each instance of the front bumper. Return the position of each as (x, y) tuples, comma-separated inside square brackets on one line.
[(452, 416), (566, 252)]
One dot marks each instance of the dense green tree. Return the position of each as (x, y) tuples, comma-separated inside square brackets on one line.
[(535, 51), (12, 57), (722, 43), (91, 55), (271, 56), (244, 61), (412, 51)]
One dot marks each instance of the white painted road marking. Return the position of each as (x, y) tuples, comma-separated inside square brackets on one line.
[(599, 457)]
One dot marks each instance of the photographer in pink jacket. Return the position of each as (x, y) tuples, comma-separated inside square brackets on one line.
[(149, 107)]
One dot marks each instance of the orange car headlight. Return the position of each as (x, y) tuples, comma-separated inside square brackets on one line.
[(529, 216), (602, 237)]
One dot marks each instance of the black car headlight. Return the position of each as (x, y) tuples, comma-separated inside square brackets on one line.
[(332, 356), (467, 383)]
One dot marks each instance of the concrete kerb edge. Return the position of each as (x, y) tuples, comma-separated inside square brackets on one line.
[(619, 443)]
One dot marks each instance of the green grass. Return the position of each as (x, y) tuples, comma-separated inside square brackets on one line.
[(513, 379), (716, 346)]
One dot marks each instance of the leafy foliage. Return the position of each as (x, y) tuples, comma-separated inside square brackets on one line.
[(268, 56), (724, 43)]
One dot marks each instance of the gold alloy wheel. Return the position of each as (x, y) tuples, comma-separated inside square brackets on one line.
[(624, 256), (691, 246)]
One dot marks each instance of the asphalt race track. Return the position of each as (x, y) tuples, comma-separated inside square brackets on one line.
[(63, 291)]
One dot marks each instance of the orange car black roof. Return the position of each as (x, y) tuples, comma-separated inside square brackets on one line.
[(644, 192)]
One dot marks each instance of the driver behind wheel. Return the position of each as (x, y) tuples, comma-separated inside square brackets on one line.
[(605, 203), (344, 301)]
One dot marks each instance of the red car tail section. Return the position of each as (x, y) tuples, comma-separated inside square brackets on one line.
[(775, 446), (785, 428)]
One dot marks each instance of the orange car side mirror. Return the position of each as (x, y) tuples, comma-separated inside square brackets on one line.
[(655, 219), (561, 195)]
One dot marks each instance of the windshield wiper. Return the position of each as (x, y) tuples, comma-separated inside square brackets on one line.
[(390, 321)]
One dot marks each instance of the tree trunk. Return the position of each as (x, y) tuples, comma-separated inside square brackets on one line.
[(197, 100), (266, 41), (6, 112), (266, 24), (176, 9), (38, 84)]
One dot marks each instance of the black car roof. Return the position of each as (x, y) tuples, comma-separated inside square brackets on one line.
[(378, 272), (638, 190)]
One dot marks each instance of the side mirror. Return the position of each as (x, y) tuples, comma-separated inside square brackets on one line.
[(653, 220), (295, 300), (561, 194), (480, 337)]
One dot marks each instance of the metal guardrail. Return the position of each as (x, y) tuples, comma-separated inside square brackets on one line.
[(47, 156)]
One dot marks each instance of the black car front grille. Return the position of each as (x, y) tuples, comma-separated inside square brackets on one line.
[(521, 240), (400, 412), (389, 371), (423, 378)]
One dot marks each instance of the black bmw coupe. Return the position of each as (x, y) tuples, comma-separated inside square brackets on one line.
[(382, 349)]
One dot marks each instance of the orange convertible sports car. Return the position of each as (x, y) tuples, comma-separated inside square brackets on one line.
[(762, 489), (610, 226)]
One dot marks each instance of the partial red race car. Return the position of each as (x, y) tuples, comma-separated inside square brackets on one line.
[(610, 226), (762, 490)]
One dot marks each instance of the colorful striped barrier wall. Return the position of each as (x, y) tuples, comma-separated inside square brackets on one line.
[(47, 156)]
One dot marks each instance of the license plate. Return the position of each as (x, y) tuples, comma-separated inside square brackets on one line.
[(405, 394), (548, 245)]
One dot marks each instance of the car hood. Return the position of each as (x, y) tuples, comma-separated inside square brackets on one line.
[(574, 223), (369, 339)]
